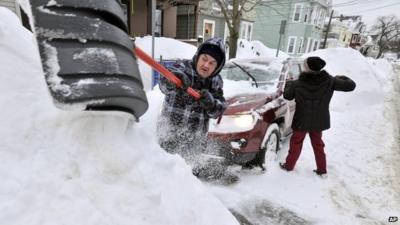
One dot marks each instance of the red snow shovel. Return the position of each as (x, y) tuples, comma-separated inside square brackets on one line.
[(163, 71)]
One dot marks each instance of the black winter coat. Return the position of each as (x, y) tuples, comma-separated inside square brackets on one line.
[(313, 92)]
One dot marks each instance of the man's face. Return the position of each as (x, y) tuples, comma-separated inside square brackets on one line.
[(206, 65)]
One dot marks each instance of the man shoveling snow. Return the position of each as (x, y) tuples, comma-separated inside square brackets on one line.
[(183, 123)]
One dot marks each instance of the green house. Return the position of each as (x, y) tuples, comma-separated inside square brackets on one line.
[(206, 20), (293, 26)]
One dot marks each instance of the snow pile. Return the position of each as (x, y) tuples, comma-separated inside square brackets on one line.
[(60, 167), (246, 49), (349, 62), (265, 51)]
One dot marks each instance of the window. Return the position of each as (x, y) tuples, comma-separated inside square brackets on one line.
[(291, 45), (294, 71), (301, 45), (234, 73), (216, 7), (297, 12), (242, 31), (249, 29), (306, 15), (226, 35), (208, 29), (316, 45), (246, 30), (311, 14), (310, 44), (315, 16), (321, 18), (158, 27)]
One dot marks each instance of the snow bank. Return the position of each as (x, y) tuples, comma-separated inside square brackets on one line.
[(256, 48), (60, 167), (372, 80)]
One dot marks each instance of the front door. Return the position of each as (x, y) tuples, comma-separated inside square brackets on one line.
[(208, 29)]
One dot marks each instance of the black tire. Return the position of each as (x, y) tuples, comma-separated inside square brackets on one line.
[(87, 55), (268, 146)]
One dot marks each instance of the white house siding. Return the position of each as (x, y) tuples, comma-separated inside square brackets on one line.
[(10, 4)]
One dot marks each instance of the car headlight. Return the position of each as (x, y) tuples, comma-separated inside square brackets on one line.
[(244, 121), (233, 124)]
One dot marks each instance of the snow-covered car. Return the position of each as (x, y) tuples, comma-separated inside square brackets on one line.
[(256, 119)]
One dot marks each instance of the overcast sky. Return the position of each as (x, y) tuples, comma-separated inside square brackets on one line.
[(369, 9)]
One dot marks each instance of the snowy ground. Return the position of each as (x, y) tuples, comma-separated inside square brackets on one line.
[(60, 167), (362, 152)]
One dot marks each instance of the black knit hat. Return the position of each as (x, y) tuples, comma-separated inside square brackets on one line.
[(315, 63), (213, 51)]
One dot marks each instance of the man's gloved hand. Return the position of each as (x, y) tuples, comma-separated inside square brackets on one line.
[(186, 82), (206, 100)]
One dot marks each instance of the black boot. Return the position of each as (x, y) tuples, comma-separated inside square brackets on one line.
[(321, 174), (283, 166)]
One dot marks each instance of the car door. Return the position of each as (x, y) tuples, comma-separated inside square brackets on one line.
[(293, 70)]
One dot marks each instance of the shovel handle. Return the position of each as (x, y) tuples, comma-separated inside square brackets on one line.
[(163, 71)]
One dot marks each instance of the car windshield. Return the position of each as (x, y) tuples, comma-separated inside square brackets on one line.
[(264, 74)]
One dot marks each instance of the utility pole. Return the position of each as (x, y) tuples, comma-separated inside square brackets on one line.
[(153, 28), (281, 32), (327, 30)]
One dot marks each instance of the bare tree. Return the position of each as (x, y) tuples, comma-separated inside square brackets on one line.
[(233, 11), (388, 30)]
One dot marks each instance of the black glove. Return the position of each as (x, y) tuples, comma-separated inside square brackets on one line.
[(186, 82), (206, 100)]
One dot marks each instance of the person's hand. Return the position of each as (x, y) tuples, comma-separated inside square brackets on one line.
[(206, 99), (186, 82)]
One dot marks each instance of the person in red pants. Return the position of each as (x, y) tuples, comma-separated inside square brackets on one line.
[(312, 92)]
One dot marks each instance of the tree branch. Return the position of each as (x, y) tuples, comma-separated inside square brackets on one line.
[(255, 3), (224, 9)]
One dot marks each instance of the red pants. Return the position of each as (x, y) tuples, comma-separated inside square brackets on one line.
[(296, 143)]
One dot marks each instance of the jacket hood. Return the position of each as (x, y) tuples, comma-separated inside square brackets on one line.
[(313, 77), (314, 81), (217, 42)]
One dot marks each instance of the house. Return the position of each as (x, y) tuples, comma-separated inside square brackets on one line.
[(339, 35), (302, 25), (11, 5), (356, 27), (18, 10), (206, 20), (140, 16)]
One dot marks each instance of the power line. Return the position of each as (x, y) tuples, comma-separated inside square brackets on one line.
[(378, 8), (366, 2)]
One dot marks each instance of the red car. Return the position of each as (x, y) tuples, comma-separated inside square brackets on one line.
[(255, 122)]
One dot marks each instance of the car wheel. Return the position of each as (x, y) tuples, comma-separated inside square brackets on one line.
[(270, 145)]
